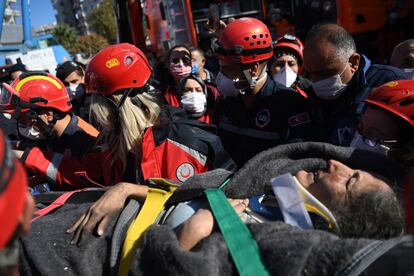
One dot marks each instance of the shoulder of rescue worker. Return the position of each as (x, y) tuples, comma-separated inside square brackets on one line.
[(383, 73)]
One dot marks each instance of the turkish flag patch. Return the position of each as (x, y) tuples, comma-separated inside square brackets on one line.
[(299, 119)]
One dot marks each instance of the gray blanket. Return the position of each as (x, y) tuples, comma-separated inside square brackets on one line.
[(285, 250)]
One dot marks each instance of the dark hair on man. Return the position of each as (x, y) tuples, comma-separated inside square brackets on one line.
[(336, 35), (373, 215), (200, 51), (278, 14)]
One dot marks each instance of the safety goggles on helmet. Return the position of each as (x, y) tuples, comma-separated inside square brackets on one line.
[(11, 103), (288, 38), (238, 50)]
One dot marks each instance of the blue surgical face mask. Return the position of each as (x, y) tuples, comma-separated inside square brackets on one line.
[(195, 69), (330, 88)]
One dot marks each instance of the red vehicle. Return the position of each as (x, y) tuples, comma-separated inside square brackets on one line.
[(159, 24)]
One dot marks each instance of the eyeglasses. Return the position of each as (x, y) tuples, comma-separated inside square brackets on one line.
[(185, 59), (373, 142)]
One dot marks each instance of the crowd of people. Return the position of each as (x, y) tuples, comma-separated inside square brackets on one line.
[(288, 137)]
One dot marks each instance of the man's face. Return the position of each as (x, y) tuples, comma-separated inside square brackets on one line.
[(404, 59), (45, 116), (321, 62), (74, 78), (196, 57), (231, 70), (339, 184)]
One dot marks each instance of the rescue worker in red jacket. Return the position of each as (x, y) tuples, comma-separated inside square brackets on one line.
[(46, 126), (286, 66), (145, 139), (16, 208)]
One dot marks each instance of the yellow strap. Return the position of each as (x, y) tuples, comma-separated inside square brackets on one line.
[(153, 205)]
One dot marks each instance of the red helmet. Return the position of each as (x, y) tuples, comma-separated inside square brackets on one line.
[(243, 41), (397, 97), (13, 192), (117, 67), (293, 43), (35, 89)]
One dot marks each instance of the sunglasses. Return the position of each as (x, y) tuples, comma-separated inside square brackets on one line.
[(185, 59)]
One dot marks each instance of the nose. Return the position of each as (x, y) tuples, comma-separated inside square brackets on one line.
[(336, 166)]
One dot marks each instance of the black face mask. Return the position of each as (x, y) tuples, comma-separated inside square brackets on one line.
[(78, 93)]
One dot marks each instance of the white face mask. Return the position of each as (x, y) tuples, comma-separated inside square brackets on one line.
[(194, 102), (226, 86), (286, 76), (409, 72), (30, 132), (360, 142), (330, 88)]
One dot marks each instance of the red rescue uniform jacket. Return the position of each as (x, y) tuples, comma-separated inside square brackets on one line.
[(177, 149)]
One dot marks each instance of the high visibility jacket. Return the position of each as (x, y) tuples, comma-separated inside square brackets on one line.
[(177, 149)]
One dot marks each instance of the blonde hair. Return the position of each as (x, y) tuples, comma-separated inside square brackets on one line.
[(123, 132)]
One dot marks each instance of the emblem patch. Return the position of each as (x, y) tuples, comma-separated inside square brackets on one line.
[(263, 118), (299, 119), (185, 171)]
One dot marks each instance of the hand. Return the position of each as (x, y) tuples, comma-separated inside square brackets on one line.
[(201, 224), (212, 29), (101, 213)]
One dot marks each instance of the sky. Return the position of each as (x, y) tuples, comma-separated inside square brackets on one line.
[(41, 12)]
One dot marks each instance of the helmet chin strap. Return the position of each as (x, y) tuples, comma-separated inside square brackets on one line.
[(48, 128), (252, 81)]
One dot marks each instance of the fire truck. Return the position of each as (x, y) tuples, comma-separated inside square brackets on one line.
[(158, 24)]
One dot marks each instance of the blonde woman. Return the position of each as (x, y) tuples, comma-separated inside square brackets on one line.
[(143, 138)]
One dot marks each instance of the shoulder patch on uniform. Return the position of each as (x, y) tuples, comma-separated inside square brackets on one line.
[(299, 119), (184, 171), (263, 118)]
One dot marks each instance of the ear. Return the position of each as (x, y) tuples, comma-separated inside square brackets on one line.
[(355, 61), (255, 69), (49, 115)]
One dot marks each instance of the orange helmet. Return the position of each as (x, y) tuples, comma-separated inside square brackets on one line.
[(13, 190), (396, 97), (117, 67), (244, 40), (35, 90)]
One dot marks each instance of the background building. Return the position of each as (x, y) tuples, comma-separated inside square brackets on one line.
[(12, 31), (75, 13)]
